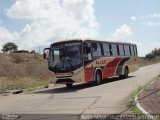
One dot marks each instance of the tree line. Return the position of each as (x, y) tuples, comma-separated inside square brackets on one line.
[(12, 47), (153, 53)]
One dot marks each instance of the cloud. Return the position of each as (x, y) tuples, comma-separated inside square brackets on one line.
[(123, 31), (133, 18), (6, 36), (150, 20), (154, 15), (152, 24), (53, 19), (148, 47)]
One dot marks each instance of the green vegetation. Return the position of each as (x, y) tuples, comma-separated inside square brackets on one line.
[(132, 105), (27, 83), (23, 71), (150, 58), (153, 53), (9, 47)]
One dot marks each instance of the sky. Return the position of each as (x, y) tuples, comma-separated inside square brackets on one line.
[(34, 24)]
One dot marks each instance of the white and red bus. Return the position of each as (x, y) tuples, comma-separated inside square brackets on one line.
[(90, 60)]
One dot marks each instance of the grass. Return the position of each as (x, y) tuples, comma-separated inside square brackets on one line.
[(26, 83), (132, 105), (144, 62), (23, 71)]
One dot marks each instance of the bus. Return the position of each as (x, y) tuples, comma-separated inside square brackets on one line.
[(90, 60)]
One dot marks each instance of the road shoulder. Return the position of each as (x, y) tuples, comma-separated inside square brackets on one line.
[(149, 99)]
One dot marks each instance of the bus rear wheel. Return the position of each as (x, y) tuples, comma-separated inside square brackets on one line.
[(98, 78), (126, 72), (69, 85)]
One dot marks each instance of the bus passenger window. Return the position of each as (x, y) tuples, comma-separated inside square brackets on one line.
[(126, 48), (114, 49), (132, 51), (106, 49), (135, 50), (96, 50), (87, 52), (102, 51), (121, 50)]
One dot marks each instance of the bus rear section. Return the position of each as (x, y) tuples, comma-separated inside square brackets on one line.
[(108, 59)]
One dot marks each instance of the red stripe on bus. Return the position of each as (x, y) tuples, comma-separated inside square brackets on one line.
[(110, 68), (89, 74)]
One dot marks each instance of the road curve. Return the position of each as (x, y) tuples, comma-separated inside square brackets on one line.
[(109, 98)]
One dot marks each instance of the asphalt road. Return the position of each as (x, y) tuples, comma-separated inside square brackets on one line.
[(109, 98)]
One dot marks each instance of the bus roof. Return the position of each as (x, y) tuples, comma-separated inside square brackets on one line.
[(92, 39)]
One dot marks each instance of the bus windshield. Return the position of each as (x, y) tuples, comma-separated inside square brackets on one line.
[(66, 56)]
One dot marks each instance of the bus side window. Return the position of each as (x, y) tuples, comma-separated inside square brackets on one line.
[(126, 49), (132, 51), (106, 49), (87, 52), (121, 50), (96, 50), (135, 50), (102, 51), (114, 49)]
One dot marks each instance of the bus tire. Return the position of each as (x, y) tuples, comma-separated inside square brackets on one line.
[(69, 85), (98, 77), (126, 72)]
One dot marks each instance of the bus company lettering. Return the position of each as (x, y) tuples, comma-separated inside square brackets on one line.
[(101, 62)]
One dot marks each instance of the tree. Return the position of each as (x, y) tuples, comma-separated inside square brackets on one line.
[(33, 51), (153, 53), (156, 52), (150, 56), (9, 47)]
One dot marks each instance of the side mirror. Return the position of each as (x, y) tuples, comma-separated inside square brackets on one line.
[(46, 52)]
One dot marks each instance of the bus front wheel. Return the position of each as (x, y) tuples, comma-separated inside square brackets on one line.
[(69, 85)]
